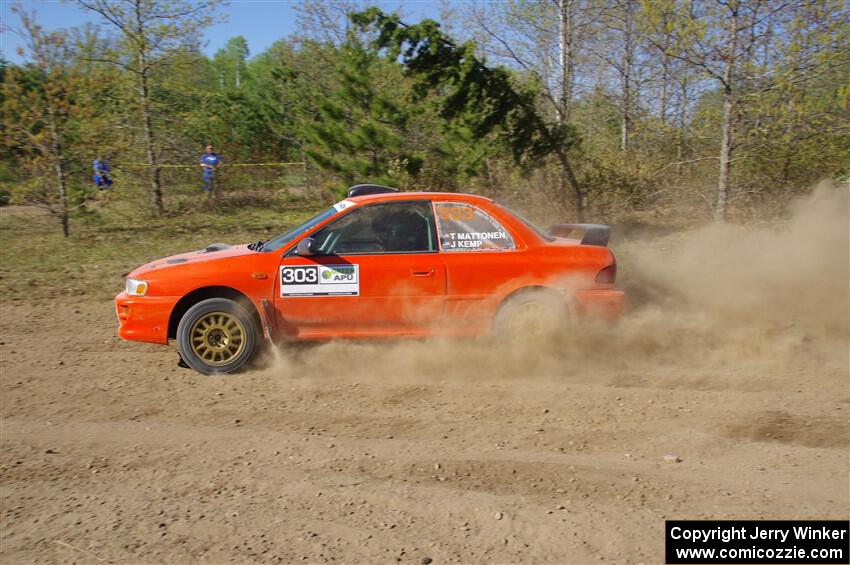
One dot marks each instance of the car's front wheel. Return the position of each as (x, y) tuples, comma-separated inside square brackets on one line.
[(217, 336)]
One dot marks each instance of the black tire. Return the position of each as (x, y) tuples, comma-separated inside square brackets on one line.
[(531, 315), (217, 335)]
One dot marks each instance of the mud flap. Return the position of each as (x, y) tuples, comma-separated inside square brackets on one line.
[(266, 316)]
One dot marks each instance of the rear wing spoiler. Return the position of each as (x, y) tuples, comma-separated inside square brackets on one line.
[(594, 234)]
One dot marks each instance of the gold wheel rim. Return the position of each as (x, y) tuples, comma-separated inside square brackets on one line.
[(530, 320), (217, 338)]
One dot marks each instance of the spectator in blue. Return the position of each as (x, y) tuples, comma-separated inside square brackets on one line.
[(101, 174), (210, 161)]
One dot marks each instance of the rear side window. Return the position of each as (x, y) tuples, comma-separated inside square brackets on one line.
[(527, 222), (464, 227)]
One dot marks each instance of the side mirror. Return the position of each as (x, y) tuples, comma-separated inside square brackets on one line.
[(306, 247)]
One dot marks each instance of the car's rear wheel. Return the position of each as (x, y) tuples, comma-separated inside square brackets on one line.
[(531, 315), (217, 335)]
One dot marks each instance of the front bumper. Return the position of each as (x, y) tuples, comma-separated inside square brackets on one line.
[(144, 318), (600, 304)]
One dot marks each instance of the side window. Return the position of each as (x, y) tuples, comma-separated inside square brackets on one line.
[(397, 227), (464, 227)]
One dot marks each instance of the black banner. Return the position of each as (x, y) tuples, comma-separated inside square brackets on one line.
[(810, 542)]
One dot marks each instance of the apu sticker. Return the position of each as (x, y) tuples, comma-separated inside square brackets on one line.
[(342, 205), (319, 280)]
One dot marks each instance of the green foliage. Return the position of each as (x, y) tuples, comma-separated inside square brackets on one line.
[(359, 129), (483, 99), (46, 113), (229, 63), (381, 101), (776, 70), (154, 38)]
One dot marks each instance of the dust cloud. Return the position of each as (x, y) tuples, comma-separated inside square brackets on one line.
[(749, 292), (719, 295)]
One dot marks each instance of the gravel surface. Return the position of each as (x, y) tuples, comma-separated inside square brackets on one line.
[(411, 452)]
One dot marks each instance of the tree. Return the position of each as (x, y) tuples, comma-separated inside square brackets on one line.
[(621, 53), (732, 43), (485, 100), (155, 33), (327, 22), (547, 39), (359, 130), (43, 112), (285, 82), (229, 62)]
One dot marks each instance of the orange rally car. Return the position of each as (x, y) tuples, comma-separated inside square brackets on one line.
[(380, 263)]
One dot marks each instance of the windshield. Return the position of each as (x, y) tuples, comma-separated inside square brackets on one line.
[(286, 237), (527, 223)]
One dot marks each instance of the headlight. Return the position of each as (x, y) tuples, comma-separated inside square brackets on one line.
[(135, 287)]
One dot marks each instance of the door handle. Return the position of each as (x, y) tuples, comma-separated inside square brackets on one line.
[(428, 273)]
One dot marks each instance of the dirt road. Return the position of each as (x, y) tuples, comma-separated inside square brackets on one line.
[(111, 452), (568, 452)]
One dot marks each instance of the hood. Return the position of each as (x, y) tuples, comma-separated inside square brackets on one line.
[(213, 252)]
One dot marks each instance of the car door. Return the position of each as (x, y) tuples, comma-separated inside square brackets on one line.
[(375, 271), (473, 246)]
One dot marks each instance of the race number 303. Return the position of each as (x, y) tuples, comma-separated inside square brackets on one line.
[(299, 275), (319, 280)]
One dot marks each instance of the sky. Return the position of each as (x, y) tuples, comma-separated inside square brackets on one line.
[(261, 22)]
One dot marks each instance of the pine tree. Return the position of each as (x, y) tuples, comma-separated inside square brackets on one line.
[(358, 132)]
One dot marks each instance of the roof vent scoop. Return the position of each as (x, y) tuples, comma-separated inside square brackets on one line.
[(594, 234), (366, 189)]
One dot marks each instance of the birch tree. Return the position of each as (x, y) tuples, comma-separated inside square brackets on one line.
[(620, 49), (229, 62), (548, 39)]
